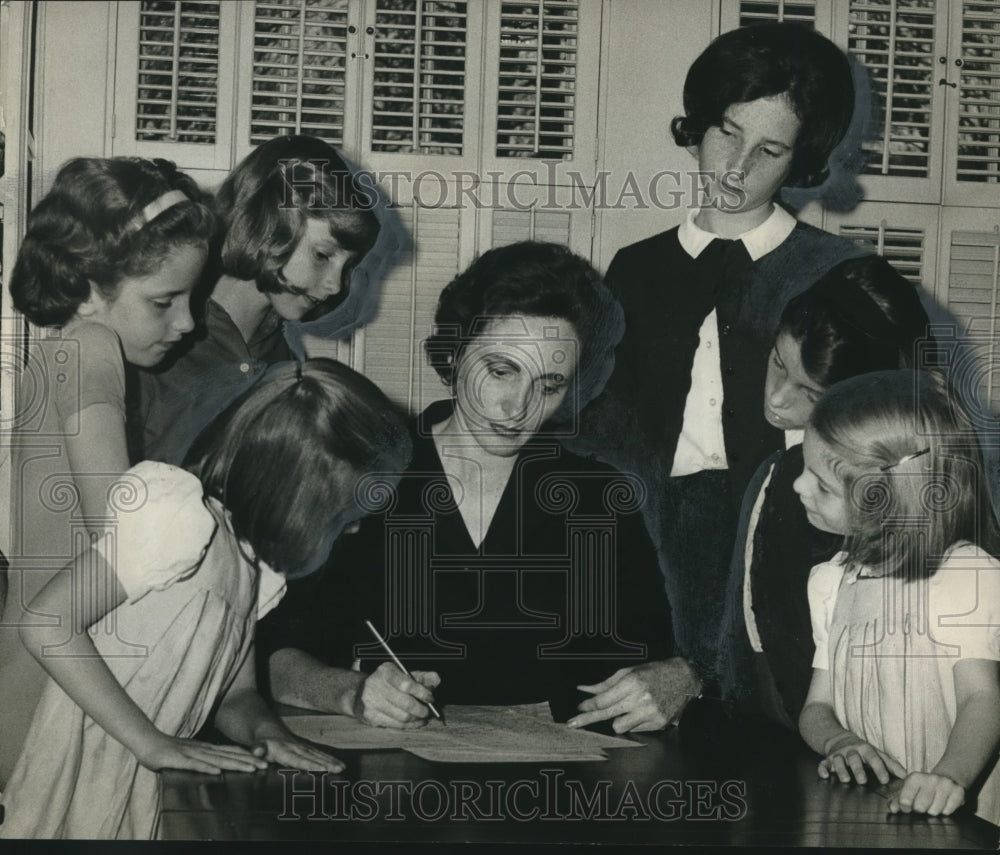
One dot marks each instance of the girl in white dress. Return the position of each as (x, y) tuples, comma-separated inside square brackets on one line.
[(154, 622), (906, 619)]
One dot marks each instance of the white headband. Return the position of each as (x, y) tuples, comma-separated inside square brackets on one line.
[(155, 208)]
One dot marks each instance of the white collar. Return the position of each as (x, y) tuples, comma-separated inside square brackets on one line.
[(759, 241)]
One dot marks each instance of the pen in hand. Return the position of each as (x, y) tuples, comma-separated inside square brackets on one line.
[(400, 665)]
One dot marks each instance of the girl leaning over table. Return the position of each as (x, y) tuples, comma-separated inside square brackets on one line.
[(156, 619)]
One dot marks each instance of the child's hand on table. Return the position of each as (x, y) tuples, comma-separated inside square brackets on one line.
[(643, 697), (925, 792), (849, 754), (289, 752), (388, 698), (173, 752)]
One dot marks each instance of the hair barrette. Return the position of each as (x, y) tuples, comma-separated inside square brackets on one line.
[(155, 208), (905, 458)]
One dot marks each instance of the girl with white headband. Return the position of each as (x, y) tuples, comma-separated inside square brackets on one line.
[(105, 272)]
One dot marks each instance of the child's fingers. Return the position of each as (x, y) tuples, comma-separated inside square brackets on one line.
[(234, 762), (222, 750), (856, 764), (298, 755), (839, 768), (876, 763), (924, 797), (904, 798), (893, 766), (939, 802), (192, 764), (212, 763), (956, 798)]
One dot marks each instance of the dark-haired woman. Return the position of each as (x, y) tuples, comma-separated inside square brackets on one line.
[(294, 221), (505, 570), (765, 106)]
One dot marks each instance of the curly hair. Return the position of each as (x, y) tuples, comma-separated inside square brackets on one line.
[(763, 61), (84, 232), (530, 279)]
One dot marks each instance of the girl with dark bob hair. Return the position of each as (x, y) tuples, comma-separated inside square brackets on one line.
[(294, 222), (765, 106), (480, 569), (763, 61), (192, 559)]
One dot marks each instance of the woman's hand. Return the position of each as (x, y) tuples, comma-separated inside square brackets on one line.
[(643, 697), (388, 698), (171, 752), (925, 792), (289, 752), (849, 754)]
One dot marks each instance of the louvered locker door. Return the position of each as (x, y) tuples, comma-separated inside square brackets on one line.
[(745, 13), (542, 62), (970, 273), (421, 79), (300, 72), (906, 235), (175, 81), (552, 214), (972, 163), (435, 242), (900, 43)]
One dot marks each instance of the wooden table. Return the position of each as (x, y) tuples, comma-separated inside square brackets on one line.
[(710, 782)]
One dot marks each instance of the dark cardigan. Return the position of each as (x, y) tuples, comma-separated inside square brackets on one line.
[(508, 621)]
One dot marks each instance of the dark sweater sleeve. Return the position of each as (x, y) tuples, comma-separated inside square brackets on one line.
[(733, 669), (319, 614), (644, 611)]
